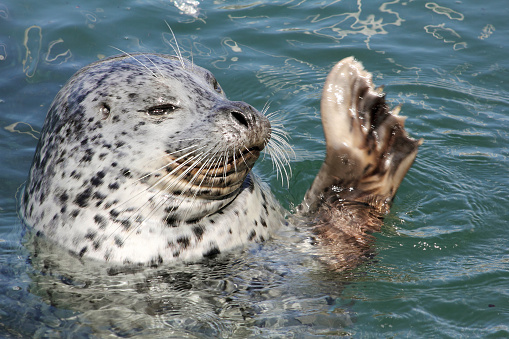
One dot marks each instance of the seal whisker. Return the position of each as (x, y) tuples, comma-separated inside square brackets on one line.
[(280, 158), (193, 200), (158, 181), (177, 49), (234, 160), (134, 57), (157, 206), (170, 163), (265, 109), (243, 159), (156, 66), (191, 182), (147, 203), (225, 155), (278, 147)]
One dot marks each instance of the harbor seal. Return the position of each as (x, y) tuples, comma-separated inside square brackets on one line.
[(143, 160)]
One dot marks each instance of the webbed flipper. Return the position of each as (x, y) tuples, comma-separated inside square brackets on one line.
[(368, 155)]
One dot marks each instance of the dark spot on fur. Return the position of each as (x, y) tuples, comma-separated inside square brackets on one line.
[(214, 251), (155, 262), (198, 232), (75, 175), (262, 221), (263, 196), (126, 173), (119, 242), (193, 221), (88, 155), (83, 251), (141, 123), (97, 180), (83, 197), (75, 213), (90, 235), (42, 197), (113, 164), (183, 242), (264, 205), (252, 235), (99, 196), (63, 197), (171, 221), (113, 186), (99, 219), (114, 213), (126, 224), (119, 144)]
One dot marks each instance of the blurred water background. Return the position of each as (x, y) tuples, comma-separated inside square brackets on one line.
[(442, 264)]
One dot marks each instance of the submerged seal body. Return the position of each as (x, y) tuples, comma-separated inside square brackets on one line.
[(143, 159)]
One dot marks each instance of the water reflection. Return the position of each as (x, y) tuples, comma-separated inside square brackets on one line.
[(254, 292)]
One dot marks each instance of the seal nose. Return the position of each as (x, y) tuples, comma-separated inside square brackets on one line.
[(242, 114), (241, 125)]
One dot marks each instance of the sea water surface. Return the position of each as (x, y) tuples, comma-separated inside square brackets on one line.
[(442, 263)]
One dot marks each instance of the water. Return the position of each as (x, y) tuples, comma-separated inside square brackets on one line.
[(442, 261)]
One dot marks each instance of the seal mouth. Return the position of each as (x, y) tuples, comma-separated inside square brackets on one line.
[(212, 178)]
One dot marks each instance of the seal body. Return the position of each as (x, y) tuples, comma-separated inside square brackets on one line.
[(142, 159)]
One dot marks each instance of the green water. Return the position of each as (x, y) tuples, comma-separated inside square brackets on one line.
[(442, 264)]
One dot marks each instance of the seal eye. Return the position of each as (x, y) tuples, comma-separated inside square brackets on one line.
[(104, 110), (161, 110)]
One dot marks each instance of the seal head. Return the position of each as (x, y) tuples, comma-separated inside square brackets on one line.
[(138, 156)]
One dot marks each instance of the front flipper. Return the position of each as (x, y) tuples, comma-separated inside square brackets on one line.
[(368, 155)]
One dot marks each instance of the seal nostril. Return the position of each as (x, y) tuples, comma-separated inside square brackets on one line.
[(241, 119)]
